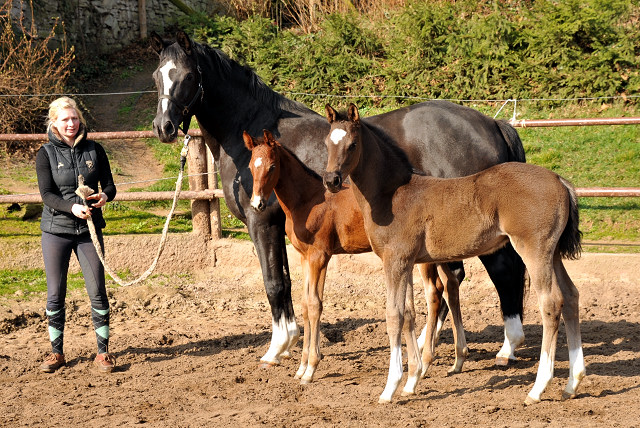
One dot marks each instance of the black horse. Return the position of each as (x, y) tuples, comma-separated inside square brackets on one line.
[(441, 138)]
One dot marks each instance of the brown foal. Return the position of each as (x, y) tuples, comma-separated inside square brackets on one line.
[(407, 216)]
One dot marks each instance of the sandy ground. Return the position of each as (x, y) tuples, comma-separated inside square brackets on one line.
[(188, 342)]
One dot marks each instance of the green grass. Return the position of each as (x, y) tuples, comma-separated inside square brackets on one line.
[(29, 281)]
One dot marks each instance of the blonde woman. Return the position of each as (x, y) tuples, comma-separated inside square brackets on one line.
[(59, 162)]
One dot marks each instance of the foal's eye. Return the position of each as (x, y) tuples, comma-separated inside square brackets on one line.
[(190, 76), (272, 167), (351, 147)]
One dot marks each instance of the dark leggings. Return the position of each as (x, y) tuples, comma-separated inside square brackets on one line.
[(56, 251)]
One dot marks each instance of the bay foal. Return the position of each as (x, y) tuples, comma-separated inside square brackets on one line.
[(407, 218), (320, 224)]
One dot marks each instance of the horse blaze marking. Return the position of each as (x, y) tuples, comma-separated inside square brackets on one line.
[(337, 135), (167, 83), (258, 162)]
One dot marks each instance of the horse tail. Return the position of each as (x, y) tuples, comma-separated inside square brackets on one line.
[(570, 245), (514, 144)]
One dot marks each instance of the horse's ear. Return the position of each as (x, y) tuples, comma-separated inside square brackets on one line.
[(331, 113), (352, 113), (248, 141), (184, 41), (157, 43), (268, 138)]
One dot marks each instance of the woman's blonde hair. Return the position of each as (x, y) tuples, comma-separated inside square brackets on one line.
[(61, 104)]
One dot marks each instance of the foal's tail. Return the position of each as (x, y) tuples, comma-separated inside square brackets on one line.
[(570, 245), (514, 144)]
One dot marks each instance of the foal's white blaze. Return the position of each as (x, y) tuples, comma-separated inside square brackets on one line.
[(395, 375), (257, 163), (167, 83), (337, 135), (513, 337), (544, 376), (255, 201)]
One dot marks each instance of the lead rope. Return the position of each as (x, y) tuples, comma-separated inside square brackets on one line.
[(84, 191)]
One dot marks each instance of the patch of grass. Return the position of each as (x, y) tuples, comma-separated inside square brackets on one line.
[(31, 281), (130, 221)]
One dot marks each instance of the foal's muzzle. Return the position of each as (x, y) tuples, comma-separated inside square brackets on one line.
[(333, 181), (258, 203)]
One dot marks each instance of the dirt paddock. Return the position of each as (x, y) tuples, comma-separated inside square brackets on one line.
[(188, 343)]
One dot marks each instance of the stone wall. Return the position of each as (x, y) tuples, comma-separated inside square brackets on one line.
[(102, 26)]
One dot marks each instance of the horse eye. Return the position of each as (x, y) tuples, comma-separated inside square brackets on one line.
[(272, 167), (351, 147), (190, 76)]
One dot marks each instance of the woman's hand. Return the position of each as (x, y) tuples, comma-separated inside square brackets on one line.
[(81, 211), (101, 197)]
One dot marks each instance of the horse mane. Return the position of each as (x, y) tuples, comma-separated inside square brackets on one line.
[(232, 70), (396, 151)]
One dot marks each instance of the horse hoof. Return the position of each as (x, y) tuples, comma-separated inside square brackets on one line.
[(383, 401), (304, 381), (267, 365), (567, 395), (503, 361), (454, 370), (286, 355), (529, 401)]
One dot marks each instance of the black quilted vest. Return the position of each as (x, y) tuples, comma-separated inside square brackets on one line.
[(66, 164)]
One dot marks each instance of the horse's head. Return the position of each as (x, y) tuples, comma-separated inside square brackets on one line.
[(179, 82), (343, 145), (264, 166)]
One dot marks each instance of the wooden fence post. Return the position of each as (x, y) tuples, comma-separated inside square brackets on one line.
[(197, 161), (142, 18)]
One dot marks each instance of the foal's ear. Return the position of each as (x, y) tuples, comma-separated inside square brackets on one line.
[(331, 113), (268, 138), (248, 141), (352, 113), (157, 43), (184, 41)]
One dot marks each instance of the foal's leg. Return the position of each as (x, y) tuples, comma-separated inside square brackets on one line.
[(433, 294), (550, 301), (317, 274), (570, 314), (398, 276), (409, 329), (452, 296), (305, 316)]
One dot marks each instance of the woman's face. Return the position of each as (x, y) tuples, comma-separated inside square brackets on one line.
[(67, 124)]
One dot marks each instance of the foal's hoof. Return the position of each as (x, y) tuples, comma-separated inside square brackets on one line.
[(567, 395), (454, 370), (504, 361), (267, 364), (529, 401), (286, 355)]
